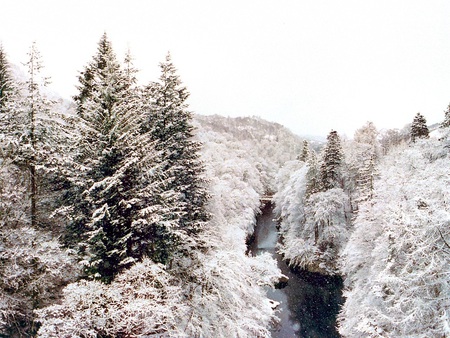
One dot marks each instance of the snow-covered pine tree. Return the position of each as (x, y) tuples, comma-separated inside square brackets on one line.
[(446, 122), (330, 169), (313, 178), (34, 134), (170, 125), (9, 99), (419, 128), (304, 155), (6, 82), (103, 181), (119, 202)]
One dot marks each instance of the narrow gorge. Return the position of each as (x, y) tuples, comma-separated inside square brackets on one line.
[(308, 302)]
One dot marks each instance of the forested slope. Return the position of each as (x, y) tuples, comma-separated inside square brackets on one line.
[(375, 210), (397, 261)]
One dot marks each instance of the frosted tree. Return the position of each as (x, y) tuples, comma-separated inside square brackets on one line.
[(362, 155), (397, 258), (331, 162), (391, 138), (33, 136), (34, 269), (446, 122), (6, 81), (10, 126), (169, 124), (419, 128), (368, 134), (313, 177), (95, 216), (144, 300), (120, 200), (305, 152)]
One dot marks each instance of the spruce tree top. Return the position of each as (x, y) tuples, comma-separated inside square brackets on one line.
[(101, 77), (331, 162), (305, 152), (419, 128)]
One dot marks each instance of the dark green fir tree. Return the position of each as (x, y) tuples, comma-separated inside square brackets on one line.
[(120, 198), (419, 128), (169, 125), (6, 81), (330, 169), (304, 155), (313, 178)]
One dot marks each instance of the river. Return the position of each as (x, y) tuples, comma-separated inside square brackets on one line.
[(310, 302)]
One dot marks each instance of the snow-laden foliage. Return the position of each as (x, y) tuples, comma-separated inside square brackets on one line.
[(419, 128), (314, 229), (313, 209), (269, 145), (446, 122), (33, 266), (168, 123), (118, 197), (144, 300), (331, 166), (361, 155), (397, 259), (230, 300)]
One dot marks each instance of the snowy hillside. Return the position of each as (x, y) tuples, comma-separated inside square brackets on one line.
[(264, 145)]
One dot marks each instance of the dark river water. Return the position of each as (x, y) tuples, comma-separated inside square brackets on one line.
[(310, 302)]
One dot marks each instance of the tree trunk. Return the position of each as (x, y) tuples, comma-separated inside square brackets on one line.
[(33, 193)]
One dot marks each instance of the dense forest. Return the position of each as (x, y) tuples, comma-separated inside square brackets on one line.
[(123, 214)]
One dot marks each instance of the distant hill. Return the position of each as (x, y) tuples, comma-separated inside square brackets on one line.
[(257, 129)]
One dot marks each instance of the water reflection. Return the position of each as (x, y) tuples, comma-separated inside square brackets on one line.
[(309, 303)]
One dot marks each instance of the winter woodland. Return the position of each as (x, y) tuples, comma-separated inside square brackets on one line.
[(123, 214)]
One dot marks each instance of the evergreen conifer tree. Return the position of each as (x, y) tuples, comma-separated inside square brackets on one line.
[(102, 181), (446, 122), (6, 82), (305, 152), (34, 133), (120, 197), (169, 126), (331, 162), (313, 179), (10, 121), (419, 128)]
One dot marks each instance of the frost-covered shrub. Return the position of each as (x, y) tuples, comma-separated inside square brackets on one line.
[(231, 300), (142, 301), (33, 270), (397, 260)]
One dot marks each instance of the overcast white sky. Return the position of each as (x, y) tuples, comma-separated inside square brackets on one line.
[(311, 65)]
